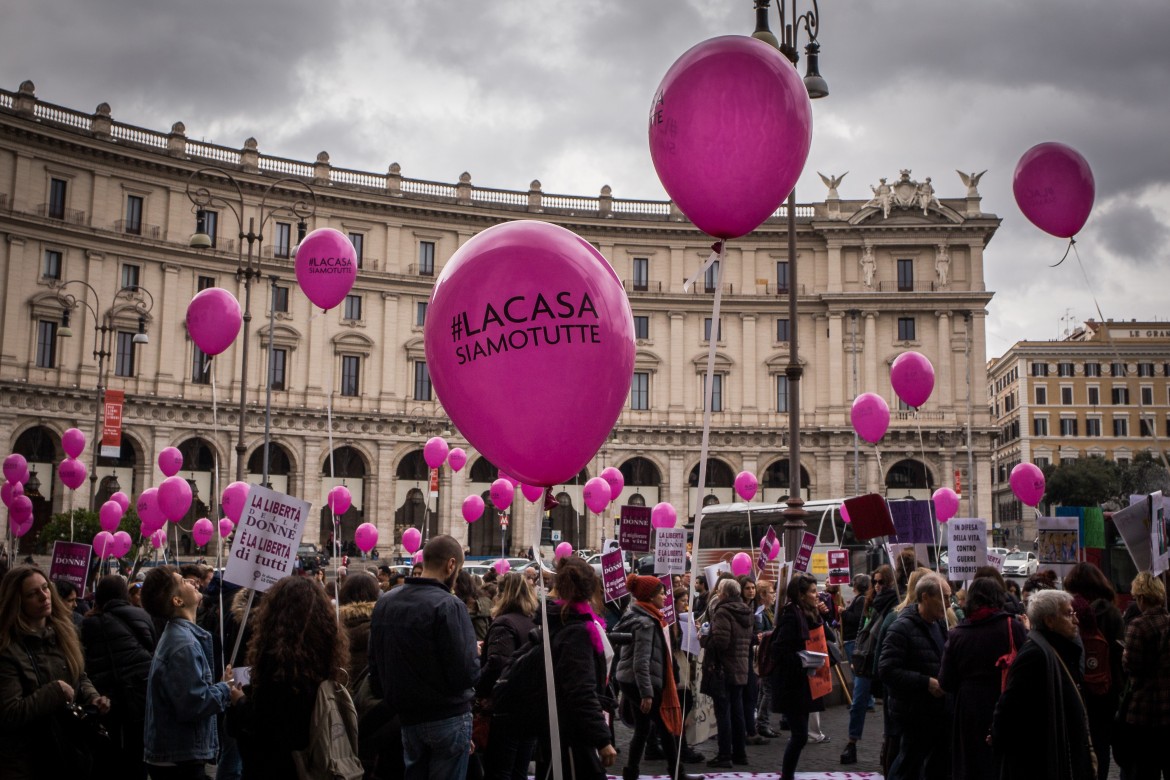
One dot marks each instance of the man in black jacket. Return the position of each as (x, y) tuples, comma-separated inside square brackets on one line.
[(423, 660), (910, 659)]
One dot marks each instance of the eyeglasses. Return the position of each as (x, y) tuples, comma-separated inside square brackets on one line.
[(194, 583), (877, 581)]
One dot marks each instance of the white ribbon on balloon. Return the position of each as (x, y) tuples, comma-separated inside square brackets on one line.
[(716, 254), (554, 721)]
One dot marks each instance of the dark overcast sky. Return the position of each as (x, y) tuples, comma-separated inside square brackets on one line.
[(515, 90)]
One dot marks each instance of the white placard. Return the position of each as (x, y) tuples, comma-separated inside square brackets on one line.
[(967, 547), (670, 550), (266, 539), (689, 638), (713, 571), (996, 561)]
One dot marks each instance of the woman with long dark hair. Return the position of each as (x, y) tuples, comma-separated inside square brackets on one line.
[(296, 645), (507, 753), (791, 694)]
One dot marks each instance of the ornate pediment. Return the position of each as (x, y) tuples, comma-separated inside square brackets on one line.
[(905, 194)]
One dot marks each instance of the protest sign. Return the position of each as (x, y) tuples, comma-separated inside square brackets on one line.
[(668, 601), (634, 530), (1159, 533), (838, 561), (912, 521), (613, 575), (609, 545), (688, 637), (820, 564), (1058, 543), (967, 546), (713, 571), (266, 539), (804, 554), (670, 550), (767, 544), (1133, 524), (870, 515), (71, 564), (996, 561)]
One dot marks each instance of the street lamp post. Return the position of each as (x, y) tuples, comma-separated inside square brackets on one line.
[(790, 25), (247, 267), (126, 300)]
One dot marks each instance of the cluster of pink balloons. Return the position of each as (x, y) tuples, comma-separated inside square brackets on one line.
[(912, 377), (72, 471), (108, 545), (20, 506)]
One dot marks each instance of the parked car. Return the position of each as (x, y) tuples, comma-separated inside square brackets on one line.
[(310, 558), (1020, 564)]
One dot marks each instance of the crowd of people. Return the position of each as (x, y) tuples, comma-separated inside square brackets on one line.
[(444, 675)]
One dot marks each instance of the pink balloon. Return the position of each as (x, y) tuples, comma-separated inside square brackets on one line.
[(214, 319), (417, 557), (411, 539), (502, 567), (1054, 188), (663, 515), (23, 477), (202, 531), (515, 483), (14, 466), (365, 536), (616, 482), (746, 485), (502, 493), (870, 416), (103, 544), (472, 508), (912, 377), (730, 130), (122, 499), (121, 544), (6, 493), (435, 451), (226, 526), (144, 529), (326, 267), (845, 515), (73, 442), (564, 550), (22, 528), (233, 500), (72, 472), (457, 458), (148, 509), (946, 504), (22, 508), (170, 460), (110, 515), (741, 564), (597, 492), (1027, 481), (531, 493), (340, 499), (174, 498), (774, 551), (158, 538), (522, 310)]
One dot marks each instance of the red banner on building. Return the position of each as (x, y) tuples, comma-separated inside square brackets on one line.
[(958, 482), (112, 425), (434, 483)]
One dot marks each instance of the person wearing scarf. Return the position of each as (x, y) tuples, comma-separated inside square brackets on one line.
[(645, 675)]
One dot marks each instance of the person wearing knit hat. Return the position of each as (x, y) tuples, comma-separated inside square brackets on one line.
[(645, 675)]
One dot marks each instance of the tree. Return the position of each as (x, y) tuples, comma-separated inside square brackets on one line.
[(86, 526), (1083, 482), (1144, 474)]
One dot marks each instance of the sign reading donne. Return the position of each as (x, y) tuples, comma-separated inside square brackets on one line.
[(266, 539)]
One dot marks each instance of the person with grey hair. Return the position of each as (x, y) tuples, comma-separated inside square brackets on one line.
[(909, 667), (1040, 727), (725, 670)]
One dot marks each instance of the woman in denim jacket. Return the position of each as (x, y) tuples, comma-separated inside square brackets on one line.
[(181, 699)]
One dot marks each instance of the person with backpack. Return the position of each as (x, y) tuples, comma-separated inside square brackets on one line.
[(877, 603), (1101, 631), (1145, 712), (278, 725)]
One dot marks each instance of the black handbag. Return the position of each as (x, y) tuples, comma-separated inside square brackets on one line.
[(76, 734), (714, 682)]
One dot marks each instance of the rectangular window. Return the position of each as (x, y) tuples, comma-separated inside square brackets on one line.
[(716, 393), (641, 327), (1117, 369), (46, 344), (1121, 396), (57, 190), (1041, 396), (1121, 426), (640, 391), (1064, 369), (420, 313), (426, 258), (707, 329), (52, 266), (359, 246), (133, 215), (422, 381), (782, 330), (1145, 369), (905, 275), (1147, 396), (210, 223), (280, 299), (276, 370), (1092, 369), (1009, 402), (782, 276), (1147, 426), (282, 247), (1068, 426), (130, 273), (200, 367), (1093, 426), (1094, 396), (124, 358), (204, 283), (1066, 396), (350, 371), (905, 329), (1043, 463), (1039, 369), (641, 274), (353, 307), (781, 393), (1040, 426), (711, 277)]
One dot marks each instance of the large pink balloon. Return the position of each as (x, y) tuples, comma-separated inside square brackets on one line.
[(730, 130), (411, 539), (73, 442), (596, 494), (170, 460), (946, 504), (72, 472), (121, 544), (457, 458), (502, 493), (746, 485), (148, 509), (435, 451), (870, 416), (663, 515), (531, 492), (1027, 481), (122, 499), (616, 481), (103, 544), (1054, 187), (528, 310), (326, 267), (472, 508), (14, 466), (365, 536), (235, 496), (202, 531), (741, 564), (340, 499), (912, 377), (174, 498), (214, 319), (110, 515)]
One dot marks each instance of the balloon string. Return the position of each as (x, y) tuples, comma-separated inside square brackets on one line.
[(1072, 242), (333, 479), (929, 501), (878, 454)]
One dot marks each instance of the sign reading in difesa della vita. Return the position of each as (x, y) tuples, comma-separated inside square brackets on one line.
[(967, 547), (267, 537)]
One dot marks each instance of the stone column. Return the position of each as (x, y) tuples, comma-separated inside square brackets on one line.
[(871, 381), (839, 373), (675, 390), (944, 392), (749, 372)]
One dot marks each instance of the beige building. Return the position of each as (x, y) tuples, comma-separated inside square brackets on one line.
[(1101, 391), (84, 198)]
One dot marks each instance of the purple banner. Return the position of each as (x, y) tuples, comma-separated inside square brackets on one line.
[(613, 575), (71, 563), (912, 522), (767, 544), (804, 554), (668, 603), (634, 531)]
